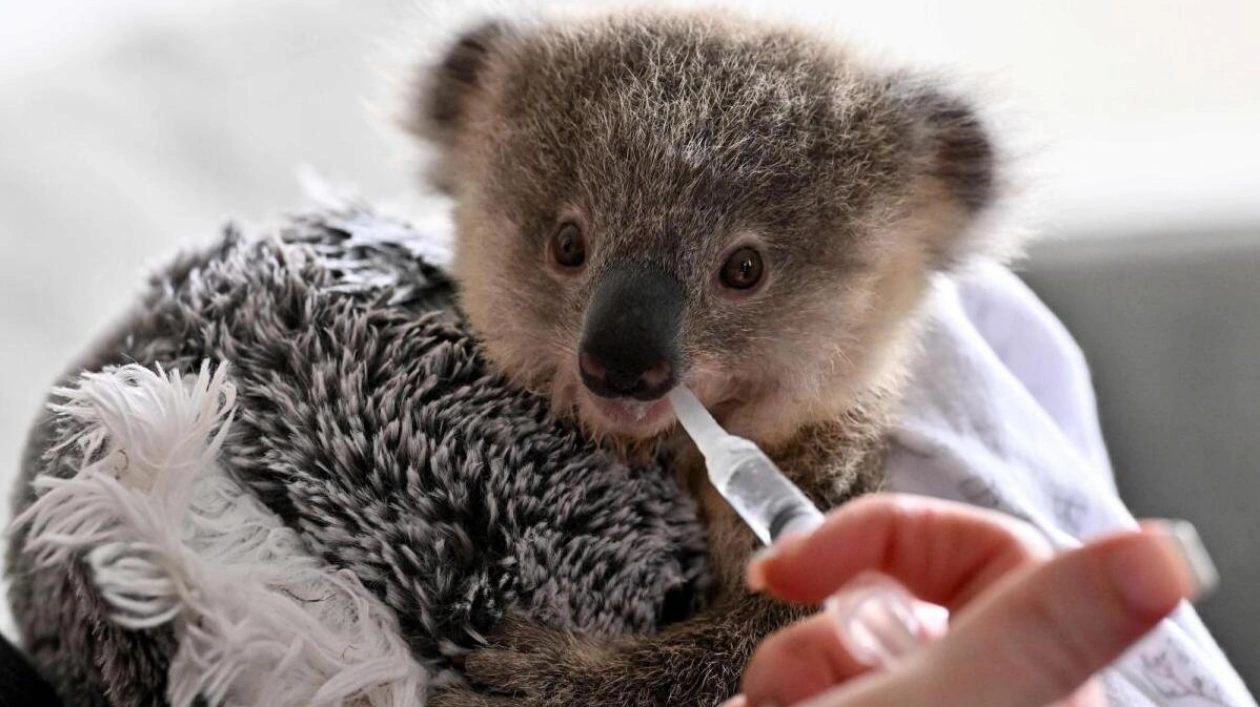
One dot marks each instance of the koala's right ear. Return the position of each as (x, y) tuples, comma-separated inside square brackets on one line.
[(445, 91)]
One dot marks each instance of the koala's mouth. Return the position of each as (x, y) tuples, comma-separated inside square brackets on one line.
[(629, 416)]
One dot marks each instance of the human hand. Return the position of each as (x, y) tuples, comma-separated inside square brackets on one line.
[(1028, 628)]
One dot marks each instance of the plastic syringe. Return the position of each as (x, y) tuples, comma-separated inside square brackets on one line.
[(745, 476), (876, 618)]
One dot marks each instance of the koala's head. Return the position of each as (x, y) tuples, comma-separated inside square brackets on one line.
[(656, 199)]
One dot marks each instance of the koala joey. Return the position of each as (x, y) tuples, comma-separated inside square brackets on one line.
[(643, 200)]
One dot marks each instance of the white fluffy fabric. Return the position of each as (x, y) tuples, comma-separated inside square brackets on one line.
[(171, 537), (1000, 413)]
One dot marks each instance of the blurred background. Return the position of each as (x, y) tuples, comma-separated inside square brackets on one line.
[(130, 128)]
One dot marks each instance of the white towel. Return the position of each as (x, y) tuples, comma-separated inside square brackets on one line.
[(1001, 414)]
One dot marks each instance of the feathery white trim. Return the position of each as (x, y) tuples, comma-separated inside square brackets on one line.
[(171, 537)]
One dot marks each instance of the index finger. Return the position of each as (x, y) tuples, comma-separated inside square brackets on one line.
[(944, 552)]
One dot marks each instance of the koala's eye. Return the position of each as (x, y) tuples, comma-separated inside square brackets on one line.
[(567, 246), (743, 269)]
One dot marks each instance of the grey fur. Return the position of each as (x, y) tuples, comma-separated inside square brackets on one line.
[(368, 421), (669, 140)]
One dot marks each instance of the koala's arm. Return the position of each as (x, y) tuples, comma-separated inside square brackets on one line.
[(696, 663)]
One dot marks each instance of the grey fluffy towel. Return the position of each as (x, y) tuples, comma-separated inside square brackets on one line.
[(366, 419)]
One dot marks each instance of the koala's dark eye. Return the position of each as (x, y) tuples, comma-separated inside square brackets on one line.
[(743, 269), (567, 246)]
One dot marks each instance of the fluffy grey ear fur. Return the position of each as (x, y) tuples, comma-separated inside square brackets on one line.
[(441, 103), (957, 150), (961, 153)]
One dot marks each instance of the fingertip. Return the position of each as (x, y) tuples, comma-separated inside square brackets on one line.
[(1185, 544), (755, 576), (1155, 569), (762, 564)]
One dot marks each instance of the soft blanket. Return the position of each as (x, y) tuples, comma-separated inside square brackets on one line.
[(287, 478)]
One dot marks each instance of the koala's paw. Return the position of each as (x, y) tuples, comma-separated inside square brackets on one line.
[(534, 666), (466, 697)]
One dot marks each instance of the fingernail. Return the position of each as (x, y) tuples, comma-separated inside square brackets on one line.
[(736, 701), (1144, 571), (1183, 538)]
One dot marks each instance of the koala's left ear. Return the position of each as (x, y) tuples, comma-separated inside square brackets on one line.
[(957, 151), (962, 153)]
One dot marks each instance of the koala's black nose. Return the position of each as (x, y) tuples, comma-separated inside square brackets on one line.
[(630, 339), (646, 385)]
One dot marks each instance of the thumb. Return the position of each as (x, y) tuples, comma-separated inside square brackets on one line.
[(1038, 636)]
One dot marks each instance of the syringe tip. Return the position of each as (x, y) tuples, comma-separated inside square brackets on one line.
[(704, 430)]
